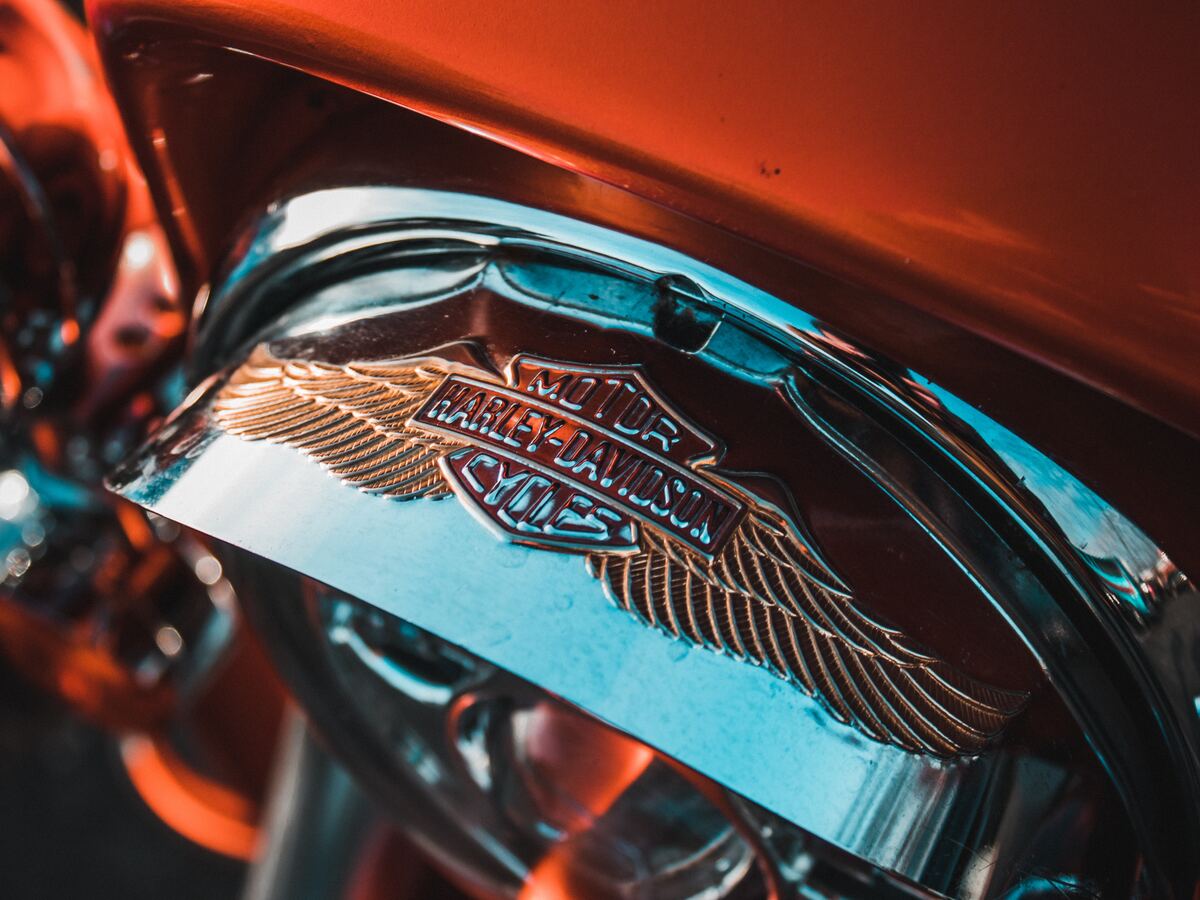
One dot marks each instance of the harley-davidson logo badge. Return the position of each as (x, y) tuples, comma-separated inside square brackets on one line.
[(594, 460), (577, 457)]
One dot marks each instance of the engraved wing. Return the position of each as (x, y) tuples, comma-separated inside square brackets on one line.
[(765, 598), (350, 418)]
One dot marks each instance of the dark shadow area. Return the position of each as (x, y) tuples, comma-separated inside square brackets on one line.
[(72, 826)]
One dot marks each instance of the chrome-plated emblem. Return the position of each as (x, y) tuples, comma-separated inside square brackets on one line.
[(580, 457), (594, 460)]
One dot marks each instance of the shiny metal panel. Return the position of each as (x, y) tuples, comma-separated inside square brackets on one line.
[(1017, 538), (704, 709)]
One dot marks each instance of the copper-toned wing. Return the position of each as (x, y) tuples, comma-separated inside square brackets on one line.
[(767, 599), (350, 418)]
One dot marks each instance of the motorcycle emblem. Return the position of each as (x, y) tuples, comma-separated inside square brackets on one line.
[(579, 457), (594, 460)]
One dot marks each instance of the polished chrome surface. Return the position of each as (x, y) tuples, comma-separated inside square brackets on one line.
[(499, 781), (710, 711), (315, 824), (572, 457), (508, 787), (335, 276)]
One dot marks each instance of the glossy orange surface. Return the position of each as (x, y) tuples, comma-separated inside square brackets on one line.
[(199, 809), (63, 170), (89, 319), (593, 766), (76, 225), (70, 200), (1027, 173)]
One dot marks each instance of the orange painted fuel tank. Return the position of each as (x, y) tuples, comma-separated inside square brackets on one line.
[(1026, 172)]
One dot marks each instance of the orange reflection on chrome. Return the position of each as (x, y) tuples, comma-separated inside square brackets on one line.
[(590, 763), (201, 810), (88, 677), (10, 379), (68, 331), (134, 524)]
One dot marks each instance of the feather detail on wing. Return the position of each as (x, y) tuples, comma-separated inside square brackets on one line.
[(350, 418), (758, 600), (765, 597)]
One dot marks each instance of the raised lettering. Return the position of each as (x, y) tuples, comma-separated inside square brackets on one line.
[(466, 410), (578, 393), (619, 386), (664, 430), (546, 384), (708, 523), (547, 425), (488, 413), (648, 484), (633, 416), (570, 452), (592, 463), (449, 394)]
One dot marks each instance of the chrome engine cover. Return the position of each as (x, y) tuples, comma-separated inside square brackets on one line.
[(833, 587)]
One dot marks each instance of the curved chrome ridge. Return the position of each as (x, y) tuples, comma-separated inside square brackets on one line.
[(1098, 605), (595, 460)]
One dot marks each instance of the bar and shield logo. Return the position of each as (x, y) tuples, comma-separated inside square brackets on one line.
[(579, 457)]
